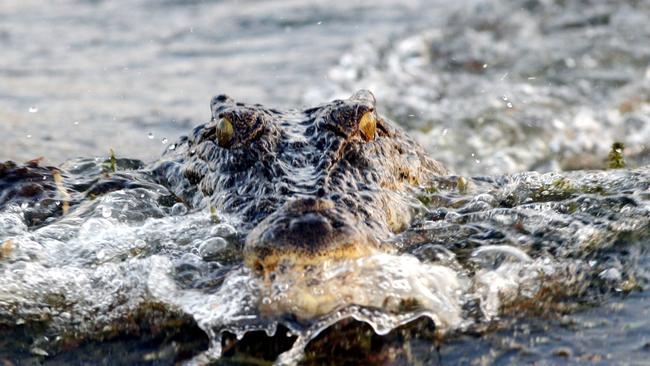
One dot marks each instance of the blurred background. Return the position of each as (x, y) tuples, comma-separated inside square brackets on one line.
[(488, 87)]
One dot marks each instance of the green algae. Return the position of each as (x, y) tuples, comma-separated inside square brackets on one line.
[(110, 165), (113, 160), (615, 159), (425, 195), (433, 195)]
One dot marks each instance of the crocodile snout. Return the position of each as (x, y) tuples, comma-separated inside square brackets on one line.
[(306, 231)]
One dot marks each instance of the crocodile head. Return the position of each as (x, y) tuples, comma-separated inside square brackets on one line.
[(329, 182)]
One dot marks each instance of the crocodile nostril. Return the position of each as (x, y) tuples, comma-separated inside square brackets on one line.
[(310, 224), (338, 224)]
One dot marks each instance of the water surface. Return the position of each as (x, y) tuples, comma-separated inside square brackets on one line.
[(545, 267)]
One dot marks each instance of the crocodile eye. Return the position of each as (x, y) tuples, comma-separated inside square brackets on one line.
[(368, 126), (224, 132)]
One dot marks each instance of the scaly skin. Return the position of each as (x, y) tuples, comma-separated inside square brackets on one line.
[(305, 185)]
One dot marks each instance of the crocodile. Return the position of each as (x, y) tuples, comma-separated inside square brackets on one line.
[(329, 182), (342, 183)]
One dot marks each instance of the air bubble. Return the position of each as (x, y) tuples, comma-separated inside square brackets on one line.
[(223, 230), (179, 209), (33, 109), (150, 136), (212, 248), (164, 140)]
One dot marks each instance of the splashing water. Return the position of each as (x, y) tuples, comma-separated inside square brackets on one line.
[(530, 85), (482, 250)]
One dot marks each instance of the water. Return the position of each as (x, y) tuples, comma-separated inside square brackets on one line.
[(511, 267), (95, 69), (513, 86)]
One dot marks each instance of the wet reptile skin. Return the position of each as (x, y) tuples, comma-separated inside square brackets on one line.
[(303, 184)]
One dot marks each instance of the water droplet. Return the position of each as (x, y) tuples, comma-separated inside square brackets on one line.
[(445, 131), (172, 147), (319, 23), (76, 123), (240, 335), (33, 109), (106, 212), (29, 136), (509, 105), (266, 300), (39, 352), (150, 135), (485, 66), (101, 254), (164, 140)]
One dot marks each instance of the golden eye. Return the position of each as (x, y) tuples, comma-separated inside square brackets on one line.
[(224, 132), (368, 126)]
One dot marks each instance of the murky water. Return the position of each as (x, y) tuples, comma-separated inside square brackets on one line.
[(511, 267)]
